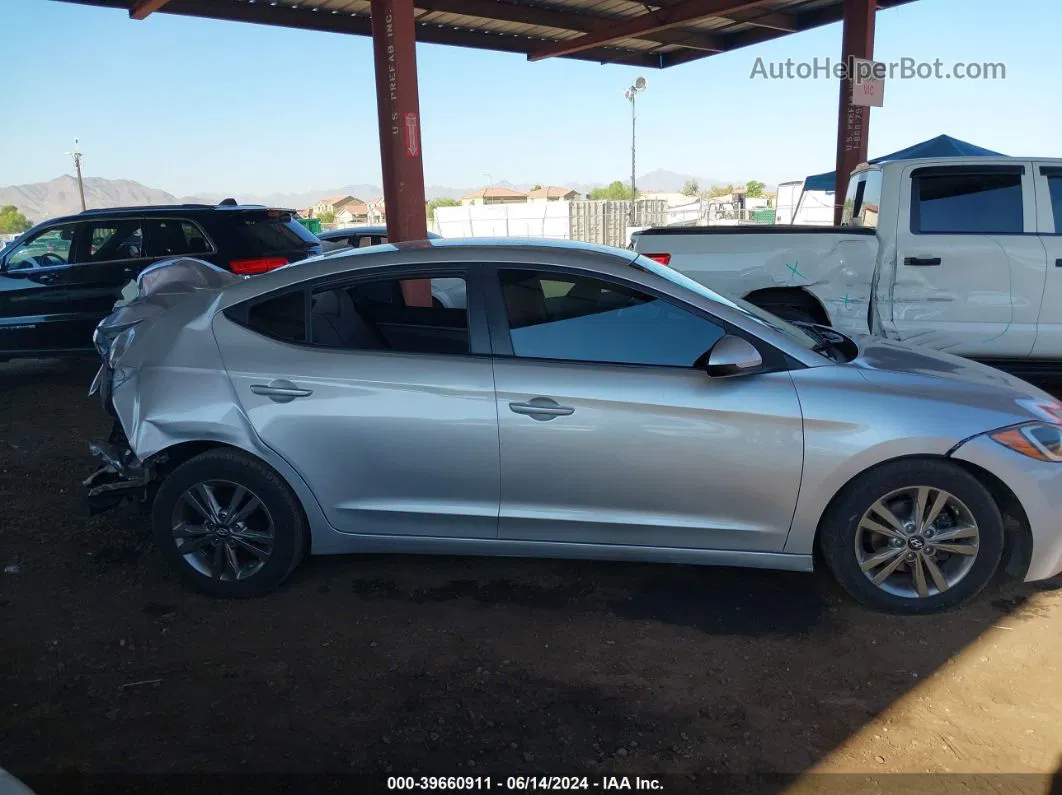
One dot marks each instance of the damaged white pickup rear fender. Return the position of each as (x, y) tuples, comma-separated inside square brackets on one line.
[(833, 267)]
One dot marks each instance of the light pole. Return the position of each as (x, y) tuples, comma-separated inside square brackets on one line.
[(638, 86), (76, 154)]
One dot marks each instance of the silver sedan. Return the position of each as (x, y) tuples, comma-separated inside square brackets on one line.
[(583, 403)]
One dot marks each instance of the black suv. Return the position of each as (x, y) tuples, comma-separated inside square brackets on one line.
[(59, 279)]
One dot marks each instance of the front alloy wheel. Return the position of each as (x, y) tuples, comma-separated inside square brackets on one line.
[(917, 542), (915, 536)]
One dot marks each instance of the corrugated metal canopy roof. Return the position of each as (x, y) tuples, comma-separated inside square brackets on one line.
[(655, 34)]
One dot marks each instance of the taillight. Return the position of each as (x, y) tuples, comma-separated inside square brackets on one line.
[(249, 267), (663, 259)]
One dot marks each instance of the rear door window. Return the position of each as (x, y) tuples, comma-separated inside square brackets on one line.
[(281, 317), (173, 237), (114, 240), (377, 315)]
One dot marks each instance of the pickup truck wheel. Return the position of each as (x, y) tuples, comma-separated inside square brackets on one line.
[(913, 537), (229, 525)]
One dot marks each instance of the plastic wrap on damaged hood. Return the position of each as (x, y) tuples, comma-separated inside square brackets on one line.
[(156, 289)]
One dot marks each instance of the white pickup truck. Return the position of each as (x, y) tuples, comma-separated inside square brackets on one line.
[(959, 254)]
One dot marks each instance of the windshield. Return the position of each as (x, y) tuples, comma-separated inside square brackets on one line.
[(762, 316)]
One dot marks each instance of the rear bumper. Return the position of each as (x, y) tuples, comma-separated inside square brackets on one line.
[(1038, 487), (119, 478)]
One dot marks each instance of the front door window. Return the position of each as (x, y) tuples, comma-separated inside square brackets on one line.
[(46, 249)]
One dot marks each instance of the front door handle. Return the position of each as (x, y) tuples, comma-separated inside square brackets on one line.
[(541, 409), (1058, 263), (923, 261), (280, 391)]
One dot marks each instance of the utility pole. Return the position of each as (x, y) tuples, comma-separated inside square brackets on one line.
[(634, 188), (76, 154), (631, 93)]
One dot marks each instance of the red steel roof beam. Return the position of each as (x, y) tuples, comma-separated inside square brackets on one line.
[(142, 8), (679, 14)]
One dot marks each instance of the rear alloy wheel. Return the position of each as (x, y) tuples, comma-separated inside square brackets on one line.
[(228, 524), (223, 530), (913, 537)]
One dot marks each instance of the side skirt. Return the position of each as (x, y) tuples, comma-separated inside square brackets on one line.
[(332, 543)]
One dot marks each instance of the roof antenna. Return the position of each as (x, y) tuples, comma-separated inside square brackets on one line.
[(227, 203)]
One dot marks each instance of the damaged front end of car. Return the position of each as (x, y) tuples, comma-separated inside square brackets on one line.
[(120, 475)]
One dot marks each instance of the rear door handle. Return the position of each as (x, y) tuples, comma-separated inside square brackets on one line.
[(1058, 263), (280, 391), (923, 261), (541, 409)]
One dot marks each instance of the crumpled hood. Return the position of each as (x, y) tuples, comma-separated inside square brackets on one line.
[(944, 376)]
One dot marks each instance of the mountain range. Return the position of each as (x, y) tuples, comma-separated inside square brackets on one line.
[(59, 196)]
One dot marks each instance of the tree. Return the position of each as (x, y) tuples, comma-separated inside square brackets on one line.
[(12, 221), (536, 186), (754, 189), (327, 217), (616, 191), (691, 188), (441, 201), (720, 190)]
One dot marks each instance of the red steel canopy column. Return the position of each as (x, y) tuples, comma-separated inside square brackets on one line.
[(398, 104), (853, 123)]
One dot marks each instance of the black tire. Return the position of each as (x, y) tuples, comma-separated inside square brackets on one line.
[(288, 523), (839, 531)]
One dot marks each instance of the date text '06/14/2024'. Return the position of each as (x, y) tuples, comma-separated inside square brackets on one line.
[(521, 783)]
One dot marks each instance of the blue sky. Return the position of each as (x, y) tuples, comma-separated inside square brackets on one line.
[(195, 105)]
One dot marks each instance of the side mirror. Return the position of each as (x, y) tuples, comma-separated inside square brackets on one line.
[(733, 356)]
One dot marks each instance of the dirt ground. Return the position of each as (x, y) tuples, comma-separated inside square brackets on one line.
[(113, 678)]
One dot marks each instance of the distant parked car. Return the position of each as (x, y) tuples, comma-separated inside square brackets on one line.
[(356, 237), (588, 403), (59, 279)]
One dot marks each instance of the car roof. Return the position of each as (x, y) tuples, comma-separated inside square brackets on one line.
[(159, 209), (377, 229), (519, 251)]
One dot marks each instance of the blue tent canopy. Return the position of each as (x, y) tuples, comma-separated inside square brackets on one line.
[(941, 146)]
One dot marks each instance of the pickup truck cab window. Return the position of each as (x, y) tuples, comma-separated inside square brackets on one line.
[(967, 202), (1054, 187), (862, 205)]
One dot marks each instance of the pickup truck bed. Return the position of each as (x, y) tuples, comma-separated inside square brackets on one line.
[(817, 273), (957, 254)]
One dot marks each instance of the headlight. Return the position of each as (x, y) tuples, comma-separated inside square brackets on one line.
[(1039, 440)]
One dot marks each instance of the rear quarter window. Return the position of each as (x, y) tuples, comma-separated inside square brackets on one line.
[(260, 236)]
